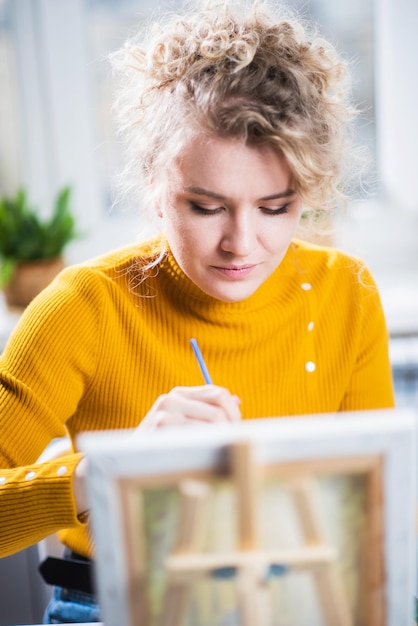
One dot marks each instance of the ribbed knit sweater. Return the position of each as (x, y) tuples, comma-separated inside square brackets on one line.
[(98, 346)]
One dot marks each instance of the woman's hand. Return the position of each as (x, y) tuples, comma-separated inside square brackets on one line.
[(193, 405), (182, 405)]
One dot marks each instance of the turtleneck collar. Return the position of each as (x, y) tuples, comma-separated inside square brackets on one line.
[(275, 287)]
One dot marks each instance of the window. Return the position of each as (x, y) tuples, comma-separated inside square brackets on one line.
[(10, 129)]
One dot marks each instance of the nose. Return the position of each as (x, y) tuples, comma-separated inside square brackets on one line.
[(240, 234)]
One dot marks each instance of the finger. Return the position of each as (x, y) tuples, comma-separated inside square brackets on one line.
[(211, 394), (162, 418), (192, 404), (169, 417), (192, 409)]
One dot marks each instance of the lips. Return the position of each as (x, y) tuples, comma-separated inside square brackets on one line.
[(235, 271)]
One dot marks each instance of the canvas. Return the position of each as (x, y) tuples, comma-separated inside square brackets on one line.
[(278, 522)]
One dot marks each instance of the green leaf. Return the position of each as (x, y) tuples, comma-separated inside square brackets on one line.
[(24, 236), (7, 268)]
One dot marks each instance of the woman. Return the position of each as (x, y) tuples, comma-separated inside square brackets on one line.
[(236, 124)]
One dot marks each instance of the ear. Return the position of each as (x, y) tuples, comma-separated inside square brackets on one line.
[(158, 208), (159, 212)]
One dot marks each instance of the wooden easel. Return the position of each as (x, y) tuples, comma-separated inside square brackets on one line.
[(185, 565)]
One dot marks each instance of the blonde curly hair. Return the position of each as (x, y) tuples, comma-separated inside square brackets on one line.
[(235, 72)]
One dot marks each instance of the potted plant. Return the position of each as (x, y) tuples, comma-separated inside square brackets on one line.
[(31, 248)]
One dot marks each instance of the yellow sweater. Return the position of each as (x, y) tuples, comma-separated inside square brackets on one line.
[(98, 346)]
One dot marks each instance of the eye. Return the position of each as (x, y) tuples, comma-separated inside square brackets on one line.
[(196, 208), (278, 211)]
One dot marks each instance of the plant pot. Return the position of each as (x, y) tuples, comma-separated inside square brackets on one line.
[(29, 279)]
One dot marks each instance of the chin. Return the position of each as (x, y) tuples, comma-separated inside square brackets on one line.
[(231, 295)]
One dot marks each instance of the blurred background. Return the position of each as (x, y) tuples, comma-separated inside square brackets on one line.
[(56, 129)]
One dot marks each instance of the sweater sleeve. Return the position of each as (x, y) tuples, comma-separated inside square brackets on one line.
[(371, 384), (36, 501), (45, 372)]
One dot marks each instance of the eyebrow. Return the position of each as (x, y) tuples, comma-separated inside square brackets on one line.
[(212, 194)]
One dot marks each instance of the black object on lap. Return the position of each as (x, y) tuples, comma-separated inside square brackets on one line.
[(74, 571)]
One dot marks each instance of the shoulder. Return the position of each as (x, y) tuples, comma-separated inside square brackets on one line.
[(340, 282), (327, 264), (115, 262), (108, 270)]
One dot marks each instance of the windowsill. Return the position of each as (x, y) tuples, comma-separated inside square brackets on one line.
[(8, 320), (400, 303), (385, 239)]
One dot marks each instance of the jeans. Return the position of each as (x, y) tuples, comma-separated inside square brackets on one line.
[(71, 606)]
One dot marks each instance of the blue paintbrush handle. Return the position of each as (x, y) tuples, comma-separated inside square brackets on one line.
[(201, 362)]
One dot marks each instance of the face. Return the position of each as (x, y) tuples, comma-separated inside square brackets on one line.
[(229, 212)]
